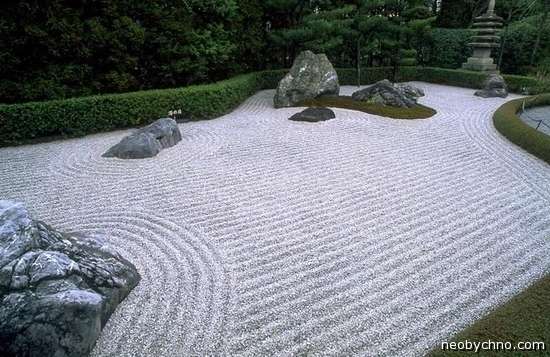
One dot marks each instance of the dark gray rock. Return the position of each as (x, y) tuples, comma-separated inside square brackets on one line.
[(410, 91), (56, 290), (313, 115), (494, 86), (147, 141), (311, 75), (386, 93)]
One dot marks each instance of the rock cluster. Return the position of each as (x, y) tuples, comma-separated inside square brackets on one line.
[(387, 93), (147, 141), (313, 115), (311, 75), (494, 86), (56, 290)]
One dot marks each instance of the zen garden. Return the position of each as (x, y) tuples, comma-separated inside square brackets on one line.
[(275, 178)]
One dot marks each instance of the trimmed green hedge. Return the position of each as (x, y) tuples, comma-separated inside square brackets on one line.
[(470, 79), (453, 77), (21, 123), (509, 124)]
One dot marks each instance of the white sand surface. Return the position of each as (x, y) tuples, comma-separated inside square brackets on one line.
[(261, 236)]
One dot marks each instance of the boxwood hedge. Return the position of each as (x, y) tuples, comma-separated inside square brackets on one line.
[(27, 122), (20, 123), (509, 124)]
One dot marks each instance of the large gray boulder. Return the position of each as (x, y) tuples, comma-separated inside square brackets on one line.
[(147, 141), (56, 290), (311, 75), (494, 86), (387, 93)]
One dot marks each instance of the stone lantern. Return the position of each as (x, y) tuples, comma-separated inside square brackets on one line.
[(487, 28)]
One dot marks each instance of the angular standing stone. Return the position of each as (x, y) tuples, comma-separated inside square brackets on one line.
[(311, 75)]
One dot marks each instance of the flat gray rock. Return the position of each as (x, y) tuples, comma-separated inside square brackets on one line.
[(56, 290), (147, 141), (494, 87), (313, 115), (386, 93), (311, 75)]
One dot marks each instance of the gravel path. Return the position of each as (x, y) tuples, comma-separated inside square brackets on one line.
[(257, 235)]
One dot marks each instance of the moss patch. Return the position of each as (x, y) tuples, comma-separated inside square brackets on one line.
[(525, 318), (509, 124), (345, 102)]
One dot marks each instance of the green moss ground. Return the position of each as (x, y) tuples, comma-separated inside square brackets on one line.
[(524, 318), (345, 102), (509, 124)]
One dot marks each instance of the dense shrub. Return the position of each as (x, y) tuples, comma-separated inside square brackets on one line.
[(79, 116), (348, 76), (456, 13), (457, 77), (84, 115), (509, 124), (449, 47), (468, 79), (520, 40), (58, 49)]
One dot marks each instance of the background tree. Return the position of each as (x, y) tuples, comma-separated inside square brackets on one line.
[(512, 10), (542, 24), (459, 13), (57, 49)]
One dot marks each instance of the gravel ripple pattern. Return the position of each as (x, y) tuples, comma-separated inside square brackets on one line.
[(256, 235)]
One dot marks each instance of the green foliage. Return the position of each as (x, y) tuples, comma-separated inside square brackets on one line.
[(524, 84), (85, 115), (416, 112), (59, 49), (348, 76), (20, 123), (520, 40), (408, 58), (449, 47), (509, 124), (458, 13), (355, 33), (460, 78), (469, 79), (526, 317)]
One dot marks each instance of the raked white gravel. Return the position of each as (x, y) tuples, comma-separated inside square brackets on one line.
[(261, 236)]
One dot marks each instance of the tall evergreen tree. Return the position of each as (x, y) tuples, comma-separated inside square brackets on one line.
[(56, 48)]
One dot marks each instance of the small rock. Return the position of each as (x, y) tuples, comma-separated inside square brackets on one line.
[(494, 86), (147, 141), (313, 115)]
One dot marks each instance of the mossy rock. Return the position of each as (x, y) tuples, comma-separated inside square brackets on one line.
[(345, 102)]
